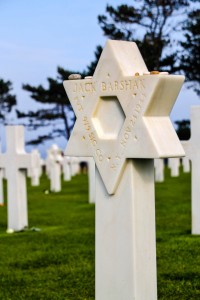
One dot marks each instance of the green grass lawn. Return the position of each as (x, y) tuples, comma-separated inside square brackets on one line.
[(58, 261)]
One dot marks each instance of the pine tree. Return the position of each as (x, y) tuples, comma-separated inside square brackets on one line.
[(56, 114), (7, 100), (151, 24), (190, 57)]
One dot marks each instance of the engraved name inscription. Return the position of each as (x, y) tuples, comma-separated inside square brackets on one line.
[(109, 86), (122, 85), (86, 87)]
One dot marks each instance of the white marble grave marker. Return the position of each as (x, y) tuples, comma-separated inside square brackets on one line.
[(174, 165), (15, 161), (66, 168), (123, 123), (75, 166), (1, 188), (192, 150), (1, 183), (91, 177), (37, 170), (47, 164), (185, 160), (55, 159), (159, 169)]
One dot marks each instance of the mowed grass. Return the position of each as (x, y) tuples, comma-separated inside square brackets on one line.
[(58, 261)]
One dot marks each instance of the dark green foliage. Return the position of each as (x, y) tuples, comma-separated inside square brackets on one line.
[(56, 114), (183, 129), (150, 24), (58, 262), (7, 100), (92, 66), (190, 57)]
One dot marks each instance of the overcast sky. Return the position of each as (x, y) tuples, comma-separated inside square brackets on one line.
[(37, 36)]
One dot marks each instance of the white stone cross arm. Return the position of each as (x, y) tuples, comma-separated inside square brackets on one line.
[(15, 157), (121, 115)]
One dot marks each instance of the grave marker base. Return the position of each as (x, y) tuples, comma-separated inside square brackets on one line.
[(125, 235)]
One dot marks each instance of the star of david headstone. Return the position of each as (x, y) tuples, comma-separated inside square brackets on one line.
[(123, 123), (120, 115)]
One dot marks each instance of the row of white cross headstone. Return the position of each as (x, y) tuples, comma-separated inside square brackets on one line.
[(15, 164), (174, 166), (71, 166), (55, 160)]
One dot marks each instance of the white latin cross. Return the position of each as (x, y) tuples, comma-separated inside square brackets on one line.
[(1, 188), (159, 169), (37, 171), (91, 177), (1, 183), (185, 162), (14, 162), (192, 150), (174, 165), (123, 123), (55, 162), (66, 168)]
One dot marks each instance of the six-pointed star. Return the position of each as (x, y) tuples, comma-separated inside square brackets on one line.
[(120, 115)]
